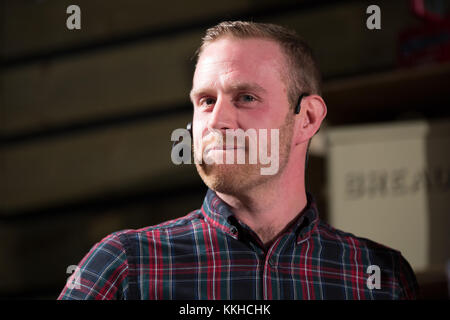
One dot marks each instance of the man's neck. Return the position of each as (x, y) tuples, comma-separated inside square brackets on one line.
[(269, 208)]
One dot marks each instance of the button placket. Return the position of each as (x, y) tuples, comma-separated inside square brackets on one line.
[(269, 264)]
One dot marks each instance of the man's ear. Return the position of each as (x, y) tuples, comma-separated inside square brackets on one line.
[(312, 112)]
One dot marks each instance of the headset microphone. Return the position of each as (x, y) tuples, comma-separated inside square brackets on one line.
[(189, 128)]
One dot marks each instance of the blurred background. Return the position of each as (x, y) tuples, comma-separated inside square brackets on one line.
[(86, 117)]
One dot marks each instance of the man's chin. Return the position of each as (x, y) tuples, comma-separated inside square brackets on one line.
[(230, 179)]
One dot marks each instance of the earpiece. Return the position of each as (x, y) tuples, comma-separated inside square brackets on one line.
[(298, 106)]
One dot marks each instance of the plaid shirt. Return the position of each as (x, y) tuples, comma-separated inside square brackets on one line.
[(209, 254)]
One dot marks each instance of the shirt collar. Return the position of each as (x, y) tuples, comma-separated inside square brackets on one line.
[(218, 214)]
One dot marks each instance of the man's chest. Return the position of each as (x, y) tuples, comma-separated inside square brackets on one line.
[(225, 269)]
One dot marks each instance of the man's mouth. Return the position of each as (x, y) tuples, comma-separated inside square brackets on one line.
[(221, 148)]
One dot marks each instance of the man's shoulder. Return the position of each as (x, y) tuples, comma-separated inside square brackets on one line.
[(357, 253), (347, 243), (177, 226)]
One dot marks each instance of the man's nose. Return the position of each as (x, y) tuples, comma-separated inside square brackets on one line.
[(223, 116)]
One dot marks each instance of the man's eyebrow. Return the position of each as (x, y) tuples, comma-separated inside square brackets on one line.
[(247, 86), (240, 86)]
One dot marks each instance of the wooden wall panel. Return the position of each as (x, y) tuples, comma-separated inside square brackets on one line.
[(36, 26), (83, 165), (396, 93), (341, 41), (101, 84)]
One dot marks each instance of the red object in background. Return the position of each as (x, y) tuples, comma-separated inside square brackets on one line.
[(420, 9), (429, 43)]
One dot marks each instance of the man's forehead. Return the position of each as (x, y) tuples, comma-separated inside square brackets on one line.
[(238, 60), (235, 79), (233, 50)]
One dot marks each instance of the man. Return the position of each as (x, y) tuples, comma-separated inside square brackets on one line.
[(256, 236)]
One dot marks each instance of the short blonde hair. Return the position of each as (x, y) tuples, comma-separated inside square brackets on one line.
[(303, 75)]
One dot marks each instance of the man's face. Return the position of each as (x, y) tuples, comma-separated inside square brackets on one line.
[(237, 85)]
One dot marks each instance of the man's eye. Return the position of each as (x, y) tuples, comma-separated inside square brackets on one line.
[(204, 102), (246, 98)]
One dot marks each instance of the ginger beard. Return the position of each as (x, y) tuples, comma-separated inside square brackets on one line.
[(234, 179)]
